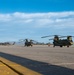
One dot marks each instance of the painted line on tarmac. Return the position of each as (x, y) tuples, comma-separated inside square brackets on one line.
[(20, 70), (5, 70), (19, 73)]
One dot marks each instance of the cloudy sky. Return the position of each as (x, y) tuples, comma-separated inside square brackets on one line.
[(20, 19)]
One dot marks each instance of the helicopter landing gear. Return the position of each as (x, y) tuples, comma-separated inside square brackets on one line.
[(68, 46), (61, 46), (53, 45)]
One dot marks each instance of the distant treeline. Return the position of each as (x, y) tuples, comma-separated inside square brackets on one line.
[(6, 43)]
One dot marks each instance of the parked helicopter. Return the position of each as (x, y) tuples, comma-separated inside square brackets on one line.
[(61, 42), (28, 42)]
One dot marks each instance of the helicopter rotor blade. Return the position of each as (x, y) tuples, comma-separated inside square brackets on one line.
[(21, 40), (45, 36), (51, 39), (62, 36), (35, 41), (66, 36), (72, 36), (49, 36)]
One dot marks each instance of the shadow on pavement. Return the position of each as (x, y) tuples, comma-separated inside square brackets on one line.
[(41, 67)]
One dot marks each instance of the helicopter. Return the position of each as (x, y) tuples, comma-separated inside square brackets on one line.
[(61, 42), (28, 42)]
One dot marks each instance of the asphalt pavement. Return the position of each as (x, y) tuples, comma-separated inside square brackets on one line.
[(41, 58)]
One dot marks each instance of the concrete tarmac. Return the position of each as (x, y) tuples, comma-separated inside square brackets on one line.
[(41, 58)]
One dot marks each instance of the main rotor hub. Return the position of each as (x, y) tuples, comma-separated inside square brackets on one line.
[(56, 38)]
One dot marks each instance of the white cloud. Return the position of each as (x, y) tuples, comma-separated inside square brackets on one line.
[(5, 17), (21, 25), (39, 19)]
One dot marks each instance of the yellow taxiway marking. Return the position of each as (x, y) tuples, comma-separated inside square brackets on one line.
[(4, 70), (9, 68)]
